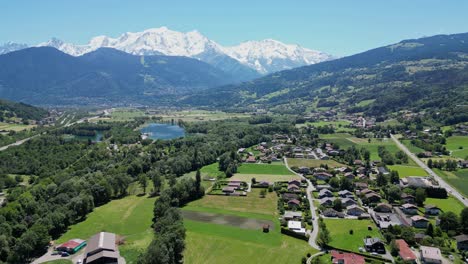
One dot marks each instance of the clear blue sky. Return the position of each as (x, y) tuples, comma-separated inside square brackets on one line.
[(337, 27)]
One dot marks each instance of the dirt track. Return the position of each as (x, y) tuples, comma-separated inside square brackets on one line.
[(220, 219)]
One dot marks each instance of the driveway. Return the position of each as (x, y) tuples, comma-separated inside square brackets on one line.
[(423, 165)]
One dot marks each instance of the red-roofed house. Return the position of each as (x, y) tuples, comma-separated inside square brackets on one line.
[(72, 246), (346, 258), (405, 252)]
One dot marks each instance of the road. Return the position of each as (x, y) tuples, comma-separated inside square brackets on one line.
[(315, 225), (423, 165), (19, 142)]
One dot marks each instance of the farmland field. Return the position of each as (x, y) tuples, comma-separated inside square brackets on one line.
[(14, 127), (458, 179), (405, 171), (340, 139), (264, 177), (339, 232), (339, 125), (313, 163), (129, 217), (270, 169), (454, 143)]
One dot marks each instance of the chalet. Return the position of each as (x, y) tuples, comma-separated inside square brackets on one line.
[(251, 159), (344, 169), (349, 176), (293, 188), (346, 258), (241, 150), (297, 150), (372, 197), (322, 186), (419, 221), (263, 184), (462, 242), (333, 152), (383, 208), (361, 185), (325, 193), (348, 201), (290, 196), (374, 245), (405, 251), (329, 212), (304, 170), (326, 201), (298, 155), (383, 171), (229, 190), (410, 209), (430, 255), (296, 226), (322, 175), (365, 191), (355, 210), (407, 198), (358, 162), (345, 193), (235, 184), (361, 170), (418, 237), (291, 215), (431, 209), (295, 182), (102, 249), (294, 204)]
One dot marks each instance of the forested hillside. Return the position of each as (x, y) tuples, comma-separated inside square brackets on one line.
[(9, 109), (428, 73)]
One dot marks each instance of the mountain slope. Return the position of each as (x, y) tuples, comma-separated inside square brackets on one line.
[(48, 76), (9, 109), (426, 73), (247, 61)]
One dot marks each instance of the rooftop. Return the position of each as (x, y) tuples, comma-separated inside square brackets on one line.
[(430, 252)]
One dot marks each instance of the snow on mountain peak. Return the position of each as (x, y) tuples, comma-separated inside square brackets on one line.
[(264, 56)]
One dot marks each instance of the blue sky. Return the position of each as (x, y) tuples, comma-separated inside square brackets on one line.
[(338, 27)]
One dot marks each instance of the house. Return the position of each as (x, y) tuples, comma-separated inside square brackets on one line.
[(229, 190), (235, 184), (325, 193), (415, 182), (372, 197), (405, 251), (294, 204), (349, 175), (322, 175), (383, 208), (431, 209), (345, 193), (101, 249), (293, 188), (290, 196), (383, 171), (296, 226), (346, 258), (374, 245), (361, 185), (344, 169), (326, 201), (241, 150), (365, 191), (251, 159), (408, 198), (358, 162), (295, 182), (419, 221), (304, 170), (322, 186), (291, 215), (418, 237), (329, 212), (72, 246), (410, 209), (355, 210), (430, 255), (348, 201), (462, 242)]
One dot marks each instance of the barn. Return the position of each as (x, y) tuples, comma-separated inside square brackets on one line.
[(72, 246)]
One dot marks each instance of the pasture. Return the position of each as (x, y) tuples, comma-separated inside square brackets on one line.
[(406, 171), (15, 127), (446, 205), (313, 163), (264, 177), (129, 217), (341, 237), (458, 145), (458, 179), (270, 169)]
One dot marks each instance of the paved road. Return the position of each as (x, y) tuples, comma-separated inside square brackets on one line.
[(423, 165), (315, 225)]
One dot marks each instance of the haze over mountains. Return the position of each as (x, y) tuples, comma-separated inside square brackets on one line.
[(247, 60)]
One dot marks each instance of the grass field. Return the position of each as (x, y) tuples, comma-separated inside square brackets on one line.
[(405, 171), (264, 177), (339, 125), (339, 232), (313, 163), (14, 127), (201, 115), (340, 139), (449, 204), (129, 217), (215, 243), (458, 179), (454, 143), (269, 169), (126, 114), (59, 261)]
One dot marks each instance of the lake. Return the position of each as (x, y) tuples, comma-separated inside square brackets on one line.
[(162, 131)]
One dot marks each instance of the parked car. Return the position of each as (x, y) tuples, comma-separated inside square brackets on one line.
[(55, 253), (65, 254), (79, 261)]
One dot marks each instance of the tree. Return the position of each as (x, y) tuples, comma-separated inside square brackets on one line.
[(381, 180), (448, 221), (337, 205), (142, 180), (394, 176), (429, 163), (393, 193), (394, 250), (157, 182), (324, 237), (262, 193), (464, 220), (420, 196), (430, 230), (198, 181)]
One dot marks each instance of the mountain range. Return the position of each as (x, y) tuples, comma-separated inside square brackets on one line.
[(248, 60), (426, 74)]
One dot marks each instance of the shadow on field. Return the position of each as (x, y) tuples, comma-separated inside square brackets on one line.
[(220, 219)]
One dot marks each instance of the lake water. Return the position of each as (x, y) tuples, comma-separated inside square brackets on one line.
[(163, 131)]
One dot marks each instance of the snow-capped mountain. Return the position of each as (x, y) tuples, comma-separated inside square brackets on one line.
[(10, 46), (248, 59)]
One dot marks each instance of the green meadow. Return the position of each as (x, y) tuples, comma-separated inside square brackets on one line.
[(270, 169), (458, 179), (341, 237), (458, 145), (405, 171)]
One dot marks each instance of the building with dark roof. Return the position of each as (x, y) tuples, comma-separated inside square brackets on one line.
[(374, 245), (102, 249), (462, 242)]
